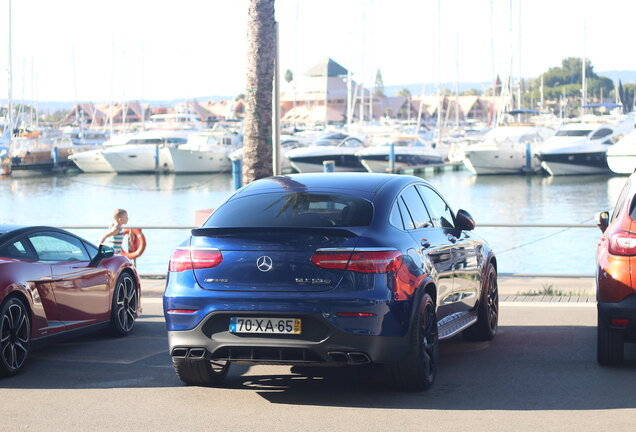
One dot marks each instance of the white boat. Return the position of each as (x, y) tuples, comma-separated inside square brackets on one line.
[(85, 136), (337, 147), (287, 143), (206, 151), (145, 152), (581, 148), (621, 157), (409, 151), (148, 150), (92, 161), (507, 150)]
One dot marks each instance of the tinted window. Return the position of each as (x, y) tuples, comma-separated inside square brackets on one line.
[(395, 218), (92, 250), (52, 246), (440, 212), (416, 208), (601, 133), (573, 133), (294, 209), (406, 216), (17, 250), (620, 201)]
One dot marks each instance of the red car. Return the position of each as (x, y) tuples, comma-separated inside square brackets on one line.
[(55, 284), (615, 286)]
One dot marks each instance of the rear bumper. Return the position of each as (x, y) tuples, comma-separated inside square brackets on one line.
[(320, 343), (624, 309)]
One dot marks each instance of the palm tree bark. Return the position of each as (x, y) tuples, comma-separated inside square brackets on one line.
[(257, 133)]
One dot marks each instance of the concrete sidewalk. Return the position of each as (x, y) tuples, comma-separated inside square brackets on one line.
[(510, 289)]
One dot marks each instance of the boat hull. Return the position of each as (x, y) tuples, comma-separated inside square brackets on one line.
[(200, 161), (91, 161), (380, 163), (485, 162), (139, 159), (621, 163), (343, 163), (575, 163)]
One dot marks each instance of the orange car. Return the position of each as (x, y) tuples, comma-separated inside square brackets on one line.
[(615, 287)]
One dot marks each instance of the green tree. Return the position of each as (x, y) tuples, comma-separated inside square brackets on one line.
[(471, 92), (379, 84), (404, 92), (289, 76)]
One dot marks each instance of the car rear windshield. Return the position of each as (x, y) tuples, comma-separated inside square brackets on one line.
[(293, 209)]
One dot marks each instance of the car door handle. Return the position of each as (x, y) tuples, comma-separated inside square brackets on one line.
[(425, 243)]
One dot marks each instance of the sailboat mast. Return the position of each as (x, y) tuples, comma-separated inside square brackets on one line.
[(583, 71), (10, 93), (439, 73)]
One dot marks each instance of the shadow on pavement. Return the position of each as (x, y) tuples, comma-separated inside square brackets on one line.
[(524, 368)]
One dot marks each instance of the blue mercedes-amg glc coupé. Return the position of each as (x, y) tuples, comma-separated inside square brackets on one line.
[(329, 269)]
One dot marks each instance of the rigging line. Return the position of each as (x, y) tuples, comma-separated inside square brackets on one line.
[(539, 239)]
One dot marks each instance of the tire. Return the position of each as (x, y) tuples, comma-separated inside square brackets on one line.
[(609, 345), (200, 372), (488, 310), (124, 305), (417, 370), (15, 335)]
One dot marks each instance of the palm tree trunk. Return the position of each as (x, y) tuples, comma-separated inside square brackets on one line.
[(257, 133)]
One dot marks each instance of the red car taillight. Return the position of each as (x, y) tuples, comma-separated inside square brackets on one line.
[(622, 243), (362, 262), (194, 259)]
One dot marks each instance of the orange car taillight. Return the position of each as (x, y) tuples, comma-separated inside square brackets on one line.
[(622, 243), (193, 259), (385, 261)]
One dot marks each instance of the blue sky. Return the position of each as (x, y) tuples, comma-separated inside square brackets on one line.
[(136, 49)]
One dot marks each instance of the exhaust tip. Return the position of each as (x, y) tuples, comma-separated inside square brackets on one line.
[(196, 353), (179, 352), (358, 357), (338, 357)]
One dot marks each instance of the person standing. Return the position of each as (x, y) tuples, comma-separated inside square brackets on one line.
[(115, 235)]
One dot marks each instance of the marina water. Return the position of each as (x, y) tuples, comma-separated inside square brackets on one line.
[(89, 199)]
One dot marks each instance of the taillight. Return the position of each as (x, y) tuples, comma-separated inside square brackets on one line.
[(194, 258), (386, 261), (622, 243)]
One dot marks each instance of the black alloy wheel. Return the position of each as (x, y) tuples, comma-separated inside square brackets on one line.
[(124, 306), (15, 334), (417, 371), (485, 328)]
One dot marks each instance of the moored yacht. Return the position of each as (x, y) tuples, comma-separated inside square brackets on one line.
[(511, 146), (148, 150), (92, 161), (287, 143), (621, 157), (205, 151), (581, 148), (337, 147), (507, 150), (145, 152), (409, 152)]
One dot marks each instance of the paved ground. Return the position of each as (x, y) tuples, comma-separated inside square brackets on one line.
[(539, 374)]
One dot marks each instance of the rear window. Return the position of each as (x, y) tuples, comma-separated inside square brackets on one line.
[(294, 209)]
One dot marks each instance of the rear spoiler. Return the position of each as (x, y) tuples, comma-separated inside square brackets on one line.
[(219, 232)]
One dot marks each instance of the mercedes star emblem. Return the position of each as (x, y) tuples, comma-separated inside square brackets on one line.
[(264, 263)]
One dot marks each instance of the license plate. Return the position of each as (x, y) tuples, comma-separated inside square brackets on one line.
[(265, 325)]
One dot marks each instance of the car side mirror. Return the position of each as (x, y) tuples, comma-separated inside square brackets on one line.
[(602, 220), (464, 221), (102, 252)]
